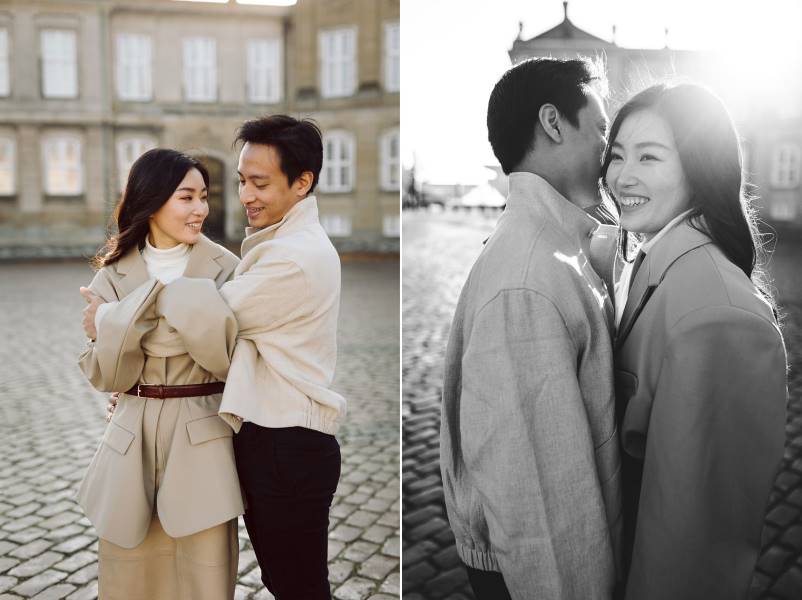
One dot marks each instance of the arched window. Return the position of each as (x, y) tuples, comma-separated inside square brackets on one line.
[(8, 166), (786, 165), (339, 162), (390, 153), (62, 159), (128, 150)]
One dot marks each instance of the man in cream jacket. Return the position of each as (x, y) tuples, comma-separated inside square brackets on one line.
[(285, 294), (528, 447)]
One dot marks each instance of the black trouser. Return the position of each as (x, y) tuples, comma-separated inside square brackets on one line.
[(488, 585), (289, 476)]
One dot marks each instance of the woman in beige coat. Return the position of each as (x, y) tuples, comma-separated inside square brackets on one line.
[(700, 360), (162, 489)]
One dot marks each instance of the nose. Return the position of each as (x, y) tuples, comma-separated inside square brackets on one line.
[(200, 208), (625, 176), (246, 195)]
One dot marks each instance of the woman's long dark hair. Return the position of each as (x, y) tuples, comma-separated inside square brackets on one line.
[(710, 156), (151, 181)]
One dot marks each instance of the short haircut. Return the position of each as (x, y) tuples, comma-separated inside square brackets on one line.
[(298, 143), (512, 112)]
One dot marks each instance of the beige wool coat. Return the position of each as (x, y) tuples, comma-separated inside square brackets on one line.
[(149, 336), (701, 401)]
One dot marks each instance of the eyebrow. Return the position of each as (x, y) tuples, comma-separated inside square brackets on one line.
[(640, 145), (190, 189), (253, 176)]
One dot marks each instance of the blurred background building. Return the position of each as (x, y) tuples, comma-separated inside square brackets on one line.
[(772, 139), (86, 86)]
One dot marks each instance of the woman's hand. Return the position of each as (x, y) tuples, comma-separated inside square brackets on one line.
[(111, 406), (90, 311)]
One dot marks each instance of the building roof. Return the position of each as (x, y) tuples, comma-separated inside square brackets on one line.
[(566, 31)]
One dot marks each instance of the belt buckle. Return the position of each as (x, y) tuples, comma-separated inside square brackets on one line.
[(137, 390)]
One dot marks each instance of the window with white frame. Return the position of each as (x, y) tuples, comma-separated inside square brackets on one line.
[(786, 166), (391, 225), (782, 208), (134, 66), (336, 225), (128, 150), (5, 78), (8, 166), (337, 54), (390, 153), (63, 165), (200, 69), (264, 70), (59, 63), (339, 160), (392, 57)]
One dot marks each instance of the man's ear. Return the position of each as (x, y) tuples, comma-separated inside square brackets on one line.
[(303, 183), (550, 120)]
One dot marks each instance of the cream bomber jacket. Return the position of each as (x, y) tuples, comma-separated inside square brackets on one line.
[(285, 295), (528, 446)]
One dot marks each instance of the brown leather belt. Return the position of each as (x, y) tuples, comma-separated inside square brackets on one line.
[(176, 391)]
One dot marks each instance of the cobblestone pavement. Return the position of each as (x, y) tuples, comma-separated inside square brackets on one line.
[(51, 422), (438, 252)]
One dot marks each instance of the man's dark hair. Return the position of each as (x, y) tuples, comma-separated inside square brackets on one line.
[(515, 102), (297, 142)]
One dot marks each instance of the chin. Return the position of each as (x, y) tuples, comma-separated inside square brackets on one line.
[(190, 238)]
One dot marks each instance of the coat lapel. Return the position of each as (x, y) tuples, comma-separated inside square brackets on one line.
[(133, 272), (678, 241), (202, 260), (202, 265)]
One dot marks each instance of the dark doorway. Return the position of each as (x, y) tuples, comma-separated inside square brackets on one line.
[(215, 226)]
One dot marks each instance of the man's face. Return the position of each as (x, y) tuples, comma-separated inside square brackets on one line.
[(263, 188), (585, 143)]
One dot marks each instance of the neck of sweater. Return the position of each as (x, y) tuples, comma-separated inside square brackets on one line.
[(166, 264)]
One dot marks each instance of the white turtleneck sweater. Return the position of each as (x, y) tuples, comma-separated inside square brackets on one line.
[(163, 264)]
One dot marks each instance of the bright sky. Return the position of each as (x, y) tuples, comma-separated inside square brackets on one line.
[(453, 52)]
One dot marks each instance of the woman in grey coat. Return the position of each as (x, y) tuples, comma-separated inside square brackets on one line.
[(699, 357)]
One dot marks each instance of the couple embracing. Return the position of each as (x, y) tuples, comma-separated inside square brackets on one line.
[(614, 401), (223, 369)]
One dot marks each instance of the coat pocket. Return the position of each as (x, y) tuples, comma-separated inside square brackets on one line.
[(117, 438), (206, 429)]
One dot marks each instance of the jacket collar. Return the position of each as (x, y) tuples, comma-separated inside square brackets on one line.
[(202, 265), (300, 215), (532, 194), (677, 242)]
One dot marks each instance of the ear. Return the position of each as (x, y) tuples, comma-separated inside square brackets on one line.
[(303, 183), (550, 120)]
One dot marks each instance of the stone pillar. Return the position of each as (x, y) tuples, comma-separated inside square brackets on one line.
[(369, 50), (29, 154), (95, 155)]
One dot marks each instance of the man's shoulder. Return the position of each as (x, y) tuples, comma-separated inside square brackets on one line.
[(305, 247), (529, 254)]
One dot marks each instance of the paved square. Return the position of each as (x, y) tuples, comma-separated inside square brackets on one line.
[(51, 421)]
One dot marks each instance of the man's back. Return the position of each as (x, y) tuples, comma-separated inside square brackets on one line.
[(528, 448)]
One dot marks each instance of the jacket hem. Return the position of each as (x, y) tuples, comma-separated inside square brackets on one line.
[(478, 559), (315, 421)]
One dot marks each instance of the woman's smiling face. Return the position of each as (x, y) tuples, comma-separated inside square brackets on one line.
[(645, 174)]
